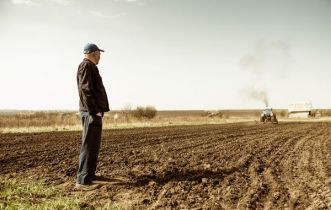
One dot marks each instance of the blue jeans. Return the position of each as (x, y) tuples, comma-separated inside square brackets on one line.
[(89, 152)]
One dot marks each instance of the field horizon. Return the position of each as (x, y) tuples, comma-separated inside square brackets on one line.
[(23, 121)]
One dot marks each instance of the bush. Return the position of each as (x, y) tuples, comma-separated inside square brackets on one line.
[(325, 112), (148, 112)]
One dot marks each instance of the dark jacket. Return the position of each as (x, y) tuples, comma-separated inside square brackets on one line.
[(92, 93)]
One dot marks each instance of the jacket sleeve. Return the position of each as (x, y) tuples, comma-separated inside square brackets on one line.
[(87, 86)]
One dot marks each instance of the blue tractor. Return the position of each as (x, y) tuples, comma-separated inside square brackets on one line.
[(267, 115)]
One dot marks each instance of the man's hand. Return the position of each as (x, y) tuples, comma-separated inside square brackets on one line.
[(99, 114)]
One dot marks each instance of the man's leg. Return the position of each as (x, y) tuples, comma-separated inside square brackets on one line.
[(95, 148), (92, 127)]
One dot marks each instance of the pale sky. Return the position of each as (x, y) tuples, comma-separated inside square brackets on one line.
[(173, 54)]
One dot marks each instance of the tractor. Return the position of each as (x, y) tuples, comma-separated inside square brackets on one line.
[(267, 115)]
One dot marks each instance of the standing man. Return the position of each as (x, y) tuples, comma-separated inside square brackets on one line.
[(92, 105)]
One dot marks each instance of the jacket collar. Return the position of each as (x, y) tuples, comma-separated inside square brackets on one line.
[(86, 59)]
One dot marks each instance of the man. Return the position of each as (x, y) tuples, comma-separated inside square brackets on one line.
[(92, 105)]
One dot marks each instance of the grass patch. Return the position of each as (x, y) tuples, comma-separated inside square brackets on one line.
[(18, 194)]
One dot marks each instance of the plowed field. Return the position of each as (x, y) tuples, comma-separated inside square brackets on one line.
[(233, 166)]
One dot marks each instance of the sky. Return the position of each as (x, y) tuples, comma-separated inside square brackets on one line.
[(172, 54)]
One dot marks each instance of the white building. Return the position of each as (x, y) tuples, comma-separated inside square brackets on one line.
[(300, 110)]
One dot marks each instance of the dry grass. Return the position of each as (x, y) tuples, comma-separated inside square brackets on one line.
[(46, 121), (38, 119), (18, 122)]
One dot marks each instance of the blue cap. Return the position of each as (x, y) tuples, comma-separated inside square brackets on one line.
[(90, 47)]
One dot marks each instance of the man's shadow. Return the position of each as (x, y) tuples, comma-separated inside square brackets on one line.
[(179, 175)]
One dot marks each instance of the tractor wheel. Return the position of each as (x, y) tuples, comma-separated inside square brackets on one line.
[(261, 119)]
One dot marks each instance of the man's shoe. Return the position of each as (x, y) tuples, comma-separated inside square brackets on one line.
[(86, 187)]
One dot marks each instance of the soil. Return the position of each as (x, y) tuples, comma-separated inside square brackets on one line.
[(231, 166)]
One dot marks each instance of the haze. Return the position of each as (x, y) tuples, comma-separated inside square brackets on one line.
[(187, 54)]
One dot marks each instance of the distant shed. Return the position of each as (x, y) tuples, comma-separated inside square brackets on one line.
[(300, 110)]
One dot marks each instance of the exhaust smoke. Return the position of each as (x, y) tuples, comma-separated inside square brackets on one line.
[(268, 61), (261, 96), (257, 95)]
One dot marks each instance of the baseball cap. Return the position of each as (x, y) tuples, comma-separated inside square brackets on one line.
[(90, 47)]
